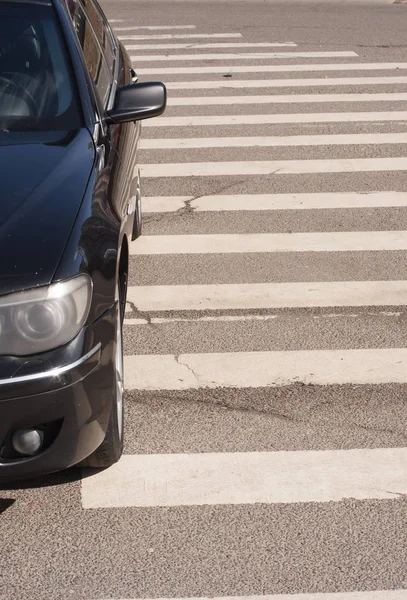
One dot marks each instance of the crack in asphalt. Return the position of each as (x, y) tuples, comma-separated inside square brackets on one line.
[(187, 209), (223, 405), (379, 429), (268, 413), (139, 314), (227, 406), (192, 209), (381, 45), (400, 494), (177, 357)]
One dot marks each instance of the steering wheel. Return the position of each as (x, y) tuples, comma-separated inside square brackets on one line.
[(27, 97)]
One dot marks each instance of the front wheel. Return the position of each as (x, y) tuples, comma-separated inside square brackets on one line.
[(111, 448)]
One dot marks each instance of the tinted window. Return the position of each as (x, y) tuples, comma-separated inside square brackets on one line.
[(92, 51), (37, 90), (103, 35)]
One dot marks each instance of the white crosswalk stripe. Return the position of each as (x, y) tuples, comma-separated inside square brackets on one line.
[(232, 296), (210, 46), (334, 241), (279, 83), (266, 369), (243, 56), (248, 478), (269, 287), (149, 27), (240, 318), (276, 141), (313, 67), (282, 167), (260, 202), (286, 98), (175, 36), (206, 121), (226, 319)]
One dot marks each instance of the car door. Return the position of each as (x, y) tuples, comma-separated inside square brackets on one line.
[(126, 183), (117, 143)]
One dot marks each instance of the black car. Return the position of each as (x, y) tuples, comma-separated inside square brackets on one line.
[(69, 208)]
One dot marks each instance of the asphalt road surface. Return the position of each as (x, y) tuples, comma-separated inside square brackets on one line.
[(265, 334)]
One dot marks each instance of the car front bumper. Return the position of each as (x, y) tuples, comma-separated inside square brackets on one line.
[(68, 396)]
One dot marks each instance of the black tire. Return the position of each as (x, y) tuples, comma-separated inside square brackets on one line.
[(111, 449)]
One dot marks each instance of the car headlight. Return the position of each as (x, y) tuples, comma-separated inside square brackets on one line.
[(40, 319)]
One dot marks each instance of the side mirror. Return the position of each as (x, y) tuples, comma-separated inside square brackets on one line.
[(138, 101)]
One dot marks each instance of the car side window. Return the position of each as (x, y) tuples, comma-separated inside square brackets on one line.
[(94, 58), (94, 14)]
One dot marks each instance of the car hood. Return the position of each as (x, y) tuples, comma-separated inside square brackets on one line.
[(43, 178)]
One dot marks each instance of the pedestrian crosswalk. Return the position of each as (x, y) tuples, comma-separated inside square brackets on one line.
[(266, 369), (149, 27), (240, 56), (261, 68), (204, 121), (275, 202), (283, 99), (285, 83), (226, 243), (249, 478), (209, 46), (257, 142), (267, 296), (176, 36), (274, 167)]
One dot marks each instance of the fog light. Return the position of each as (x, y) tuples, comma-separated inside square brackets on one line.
[(27, 441)]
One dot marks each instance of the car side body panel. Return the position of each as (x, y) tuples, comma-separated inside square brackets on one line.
[(104, 219), (71, 211)]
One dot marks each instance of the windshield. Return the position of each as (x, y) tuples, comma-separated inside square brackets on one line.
[(36, 86)]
